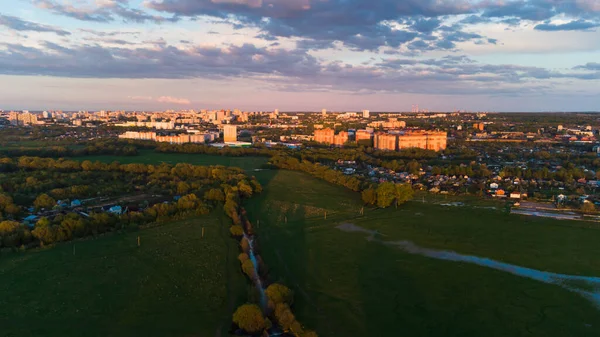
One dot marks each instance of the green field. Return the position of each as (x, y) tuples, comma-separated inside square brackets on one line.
[(151, 157), (176, 284), (348, 286)]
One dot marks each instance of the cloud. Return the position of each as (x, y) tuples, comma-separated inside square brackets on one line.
[(162, 99), (589, 66), (361, 25), (18, 24), (369, 25), (573, 25), (173, 100), (102, 11), (282, 68)]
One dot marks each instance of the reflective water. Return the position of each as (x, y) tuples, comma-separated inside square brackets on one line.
[(257, 280), (587, 286)]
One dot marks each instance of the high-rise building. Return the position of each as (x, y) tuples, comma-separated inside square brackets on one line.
[(385, 141), (423, 139), (366, 113), (276, 111), (324, 112), (363, 135), (324, 136), (341, 138), (230, 133)]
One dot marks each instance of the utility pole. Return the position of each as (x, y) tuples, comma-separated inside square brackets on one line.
[(203, 232), (139, 242)]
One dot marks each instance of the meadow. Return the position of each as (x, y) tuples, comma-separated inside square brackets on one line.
[(175, 284), (347, 285)]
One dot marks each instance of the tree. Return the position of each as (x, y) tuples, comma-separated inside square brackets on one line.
[(245, 189), (404, 193), (588, 207), (249, 269), (386, 194), (369, 196), (236, 230), (44, 201), (182, 187), (243, 257), (278, 293), (250, 318), (284, 316), (214, 194)]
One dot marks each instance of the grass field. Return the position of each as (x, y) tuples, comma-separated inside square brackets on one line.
[(151, 157), (348, 286), (175, 284)]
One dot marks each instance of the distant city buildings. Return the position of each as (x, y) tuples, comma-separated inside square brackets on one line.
[(230, 133), (366, 113), (428, 140), (324, 136), (324, 112), (22, 118), (173, 139), (392, 123)]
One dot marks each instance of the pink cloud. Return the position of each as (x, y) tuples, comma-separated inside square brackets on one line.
[(162, 99), (173, 100)]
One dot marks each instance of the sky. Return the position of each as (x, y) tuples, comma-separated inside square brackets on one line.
[(300, 55)]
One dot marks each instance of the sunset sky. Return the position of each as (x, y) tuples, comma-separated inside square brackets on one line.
[(382, 55)]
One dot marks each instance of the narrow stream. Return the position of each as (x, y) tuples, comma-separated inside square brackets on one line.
[(257, 280), (586, 286)]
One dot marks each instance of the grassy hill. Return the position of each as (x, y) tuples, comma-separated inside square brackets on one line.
[(349, 286), (176, 284)]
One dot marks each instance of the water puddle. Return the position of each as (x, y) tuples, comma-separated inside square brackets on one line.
[(586, 286), (558, 216)]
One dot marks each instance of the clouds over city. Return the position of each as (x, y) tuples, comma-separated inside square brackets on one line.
[(432, 47)]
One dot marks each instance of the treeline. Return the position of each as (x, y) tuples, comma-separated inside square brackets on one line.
[(319, 171), (201, 189), (96, 148), (386, 194), (276, 311), (66, 226)]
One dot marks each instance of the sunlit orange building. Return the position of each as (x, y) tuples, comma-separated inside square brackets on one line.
[(324, 136), (385, 141), (428, 140), (341, 138)]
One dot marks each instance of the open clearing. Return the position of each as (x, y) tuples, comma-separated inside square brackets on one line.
[(349, 286), (175, 284)]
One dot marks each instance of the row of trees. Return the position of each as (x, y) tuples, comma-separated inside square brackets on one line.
[(202, 188), (96, 148), (387, 193), (319, 171), (251, 318)]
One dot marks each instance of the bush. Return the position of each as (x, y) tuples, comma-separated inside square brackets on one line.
[(236, 230), (250, 318)]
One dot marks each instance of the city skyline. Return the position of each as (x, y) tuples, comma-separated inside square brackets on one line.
[(300, 55)]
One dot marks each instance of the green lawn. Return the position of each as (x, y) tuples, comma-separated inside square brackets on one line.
[(348, 286), (175, 284), (151, 157)]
